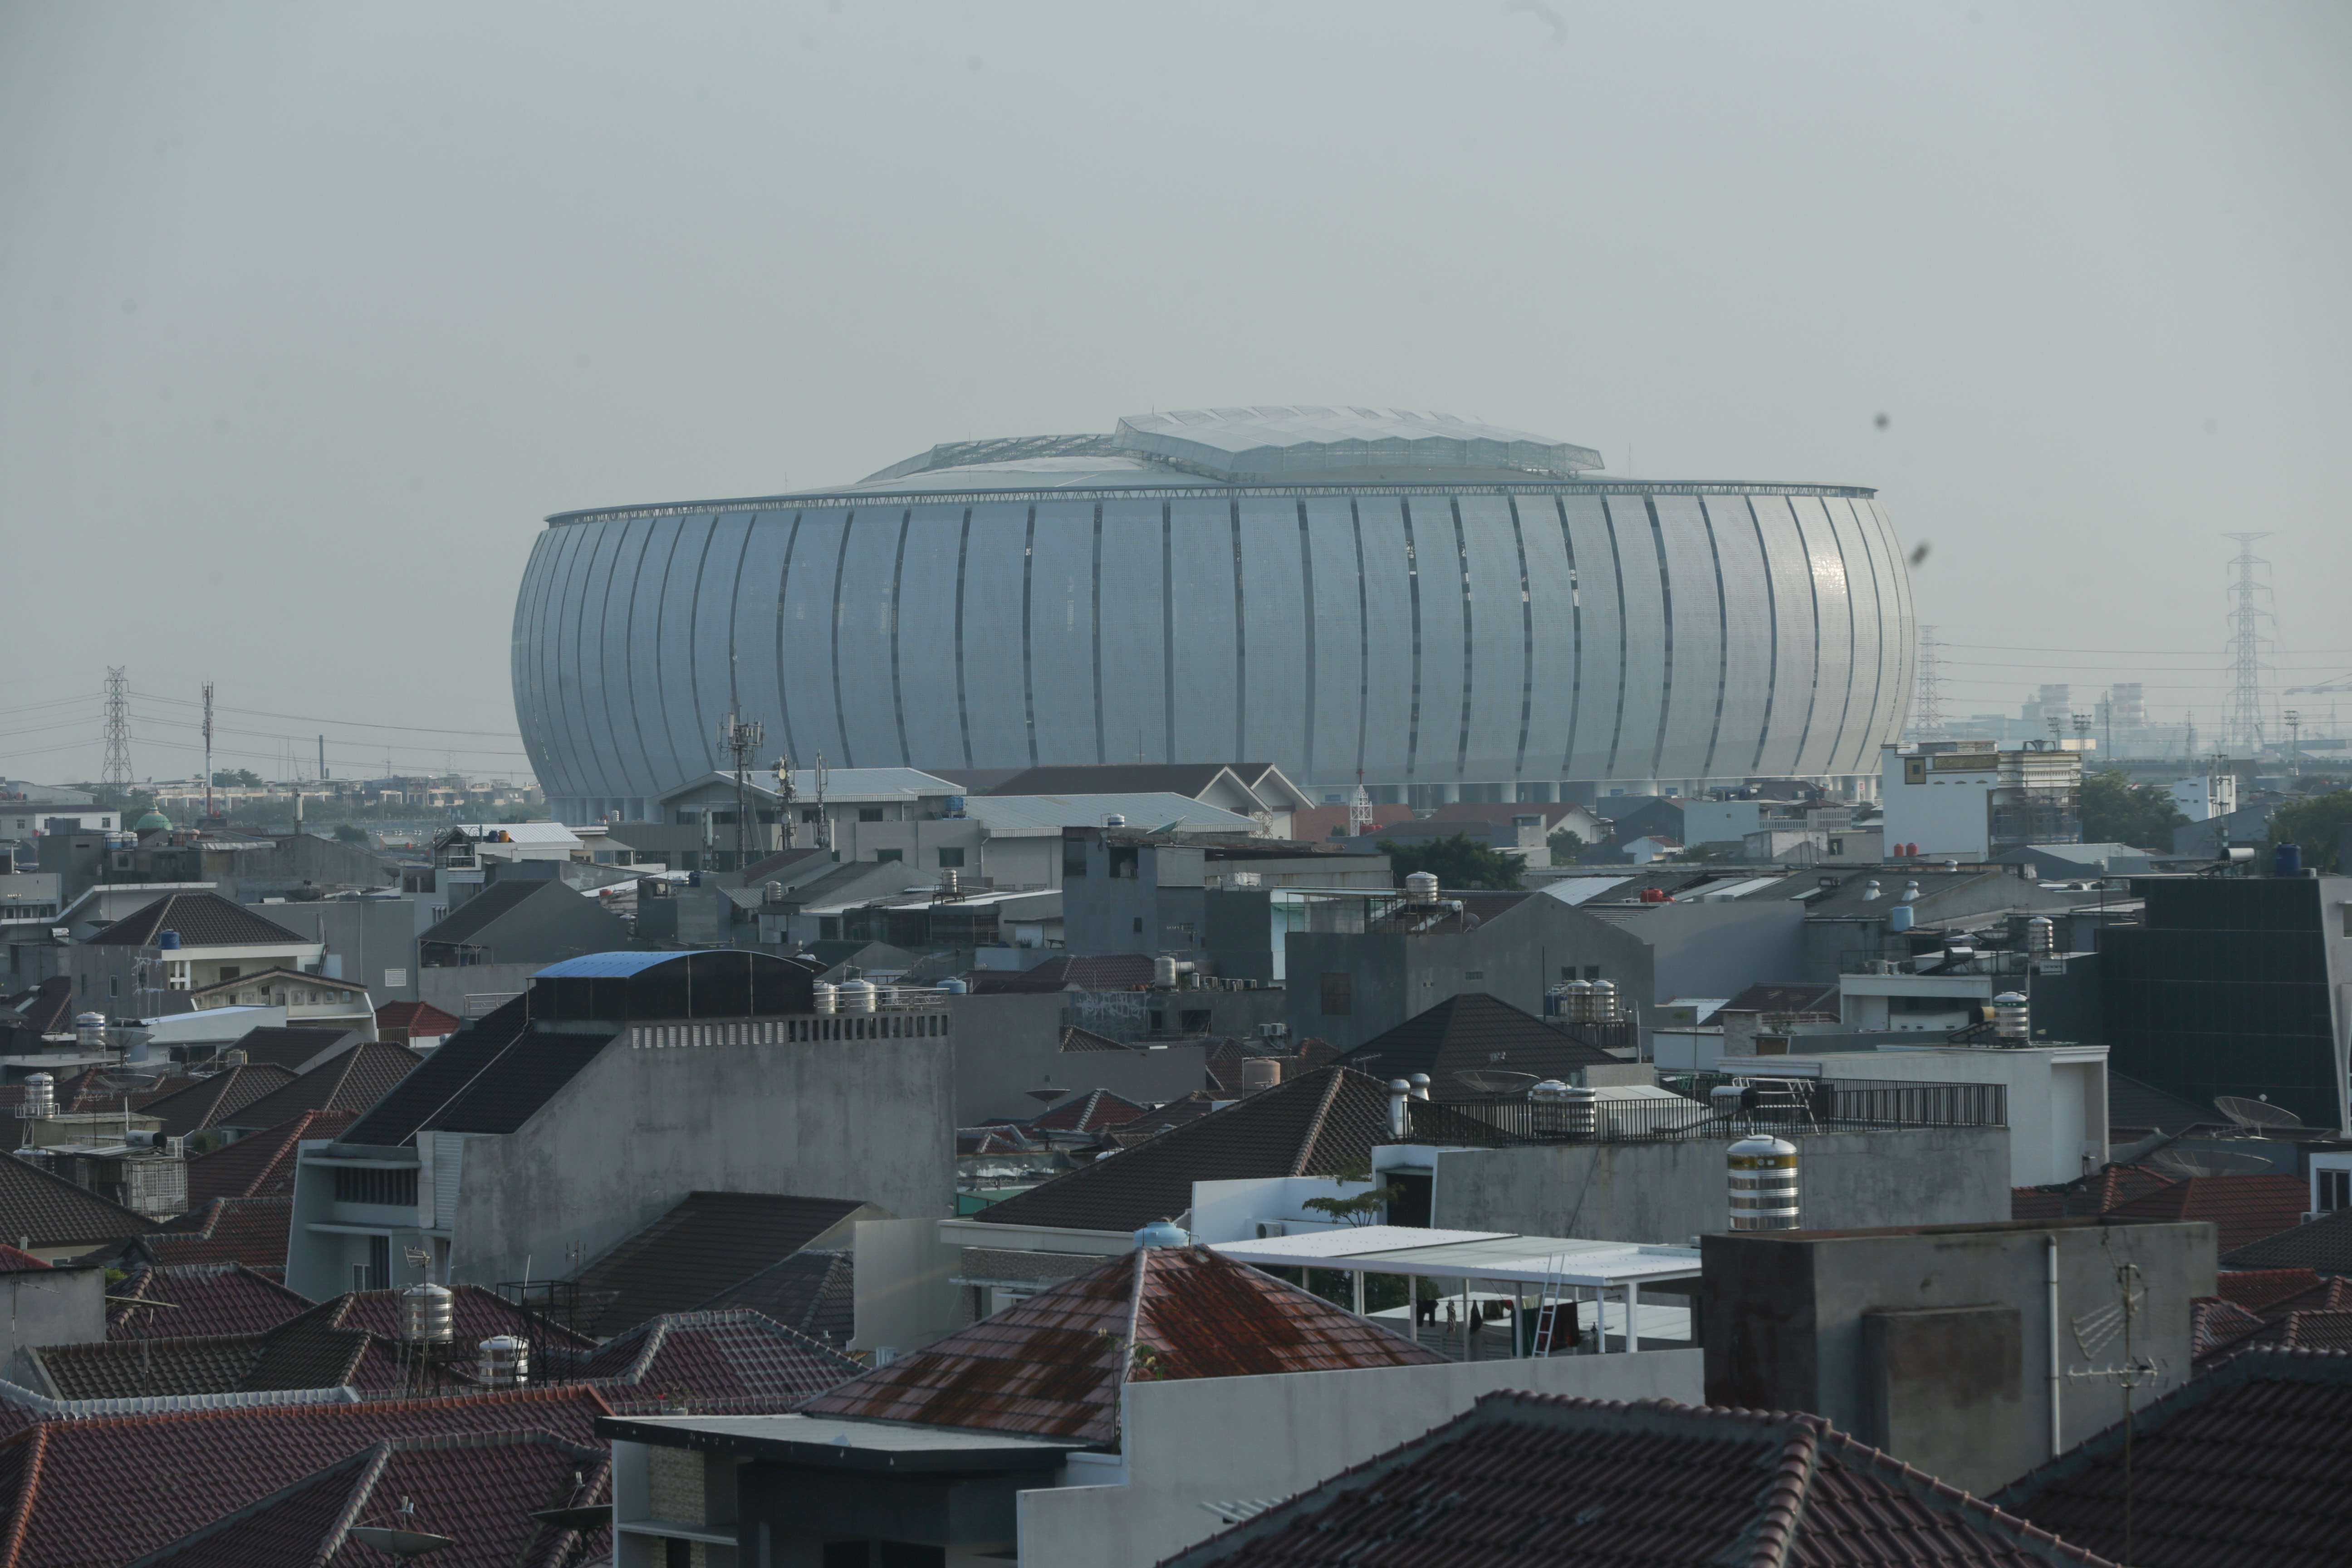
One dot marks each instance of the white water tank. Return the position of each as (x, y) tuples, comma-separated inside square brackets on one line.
[(2041, 936), (427, 1314), (40, 1095), (1762, 1170), (857, 996), (90, 1031), (1604, 1002), (504, 1362), (2012, 1019), (1420, 887), (828, 996)]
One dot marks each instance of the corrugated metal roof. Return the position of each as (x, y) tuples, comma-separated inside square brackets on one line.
[(1041, 814), (604, 965)]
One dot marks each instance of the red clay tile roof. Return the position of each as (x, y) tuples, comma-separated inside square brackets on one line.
[(1319, 1123), (15, 1262), (1088, 1112), (2216, 1326), (2243, 1467), (200, 1298), (251, 1231), (104, 1489), (415, 1018), (2244, 1209), (480, 1490), (1554, 1483), (2109, 1187), (260, 1165), (202, 920), (711, 1363), (2256, 1289), (1052, 1365)]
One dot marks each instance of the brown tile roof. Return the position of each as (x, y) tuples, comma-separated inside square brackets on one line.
[(1320, 1123), (479, 1489), (412, 1019), (2216, 1326), (813, 1293), (62, 1483), (351, 1080), (2257, 1288), (40, 1210), (2326, 1245), (2244, 1209), (251, 1231), (1090, 1112), (1074, 1039), (1546, 1481), (2243, 1467), (1053, 1365), (198, 1299), (210, 1100), (12, 1261), (260, 1165), (713, 1363), (2109, 1187), (705, 1244), (301, 1353), (1471, 1032), (202, 920)]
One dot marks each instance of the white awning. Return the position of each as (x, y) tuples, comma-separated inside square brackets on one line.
[(1496, 1258)]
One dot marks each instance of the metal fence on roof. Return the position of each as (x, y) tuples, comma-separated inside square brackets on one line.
[(1712, 1105)]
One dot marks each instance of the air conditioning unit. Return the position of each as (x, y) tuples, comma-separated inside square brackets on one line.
[(1267, 1229)]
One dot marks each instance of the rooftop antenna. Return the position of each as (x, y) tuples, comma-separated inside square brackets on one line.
[(116, 773), (2093, 1332), (739, 737), (824, 822), (785, 792)]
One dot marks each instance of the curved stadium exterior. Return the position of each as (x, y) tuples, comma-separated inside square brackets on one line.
[(1440, 608)]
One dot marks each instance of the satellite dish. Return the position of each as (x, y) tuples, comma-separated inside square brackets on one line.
[(1482, 1081), (2255, 1112), (2184, 1163)]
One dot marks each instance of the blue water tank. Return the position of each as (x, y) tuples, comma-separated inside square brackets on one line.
[(694, 878), (2287, 860), (169, 941), (953, 985), (955, 805), (1899, 918), (1159, 1232)]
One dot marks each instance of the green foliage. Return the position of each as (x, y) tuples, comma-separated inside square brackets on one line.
[(2317, 825), (241, 778), (347, 833), (1566, 846), (1456, 862), (1361, 1209), (2117, 811)]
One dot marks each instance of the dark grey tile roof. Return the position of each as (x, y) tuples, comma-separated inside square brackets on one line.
[(350, 1080), (210, 1100), (814, 1293), (38, 1209), (202, 920), (2325, 1244), (446, 1074), (1473, 1032), (2131, 1103), (289, 1046), (465, 922), (709, 1243)]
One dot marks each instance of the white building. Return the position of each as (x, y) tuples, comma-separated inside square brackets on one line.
[(1967, 801)]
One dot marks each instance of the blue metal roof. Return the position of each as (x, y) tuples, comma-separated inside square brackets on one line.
[(606, 964)]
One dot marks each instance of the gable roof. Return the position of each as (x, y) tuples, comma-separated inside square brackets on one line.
[(810, 1292), (704, 1244), (260, 1165), (1191, 780), (1472, 1032), (203, 1299), (1088, 1111), (2101, 1191), (62, 1482), (47, 1008), (2133, 1104), (1319, 1123), (1546, 1480), (481, 1491), (291, 1046), (490, 1076), (1052, 1365), (719, 1361), (499, 900), (2325, 1244), (272, 998), (415, 1018), (210, 1100), (202, 920), (350, 1081), (13, 1261), (1787, 997), (1077, 1040), (2243, 1465), (43, 1210), (2244, 1209), (251, 1231)]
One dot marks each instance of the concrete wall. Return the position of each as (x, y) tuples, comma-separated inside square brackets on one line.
[(2057, 1096), (48, 1307), (1936, 1344), (1669, 1192), (447, 988), (375, 938), (1213, 1440), (1009, 1043), (639, 1129)]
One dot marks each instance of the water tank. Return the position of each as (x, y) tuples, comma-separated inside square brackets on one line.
[(2041, 936), (1578, 1112), (951, 881), (1604, 1002), (168, 940), (1420, 887), (828, 996), (1114, 820), (426, 1314), (90, 1031), (1899, 918), (857, 996), (1164, 973), (953, 985), (2011, 1020), (1576, 1001), (955, 805), (1159, 1232), (505, 1362), (2287, 861), (40, 1095), (1260, 1072), (1762, 1170), (772, 893)]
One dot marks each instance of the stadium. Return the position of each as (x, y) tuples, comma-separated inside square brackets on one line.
[(1437, 608)]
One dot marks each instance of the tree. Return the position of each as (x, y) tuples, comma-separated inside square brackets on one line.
[(2318, 826), (1360, 1209), (349, 833), (1566, 846), (1456, 862), (242, 778), (2117, 811)]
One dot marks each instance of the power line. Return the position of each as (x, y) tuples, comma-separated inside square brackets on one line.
[(314, 719)]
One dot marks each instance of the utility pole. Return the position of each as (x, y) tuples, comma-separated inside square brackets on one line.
[(323, 759), (823, 822), (2247, 614), (1928, 706), (2293, 739), (208, 748), (738, 737), (116, 773)]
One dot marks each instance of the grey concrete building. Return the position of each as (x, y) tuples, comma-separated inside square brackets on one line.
[(575, 1115), (1012, 1047), (47, 1306)]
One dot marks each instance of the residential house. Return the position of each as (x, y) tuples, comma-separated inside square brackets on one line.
[(314, 999), (1475, 1047), (487, 947), (51, 1218), (170, 954), (1259, 791)]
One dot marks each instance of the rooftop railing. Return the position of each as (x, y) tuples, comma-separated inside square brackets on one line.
[(1711, 1105)]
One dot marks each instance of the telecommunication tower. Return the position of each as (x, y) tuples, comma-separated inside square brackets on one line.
[(739, 737), (116, 773), (208, 748), (2244, 724), (1927, 705)]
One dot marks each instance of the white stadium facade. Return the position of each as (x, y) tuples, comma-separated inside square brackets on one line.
[(1437, 608)]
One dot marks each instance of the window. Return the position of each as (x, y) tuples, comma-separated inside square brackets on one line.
[(1074, 856), (811, 814), (1473, 974), (379, 1264), (373, 1184), (2335, 1190), (1837, 846), (1139, 922), (1338, 994), (114, 985), (1194, 1020), (1592, 972), (889, 856), (869, 814), (1127, 860), (951, 858)]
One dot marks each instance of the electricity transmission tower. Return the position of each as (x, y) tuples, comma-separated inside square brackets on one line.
[(116, 773), (1928, 704), (2243, 723)]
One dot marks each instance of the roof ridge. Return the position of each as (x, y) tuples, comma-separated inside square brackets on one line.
[(378, 1459), (1936, 1492), (20, 1517), (1306, 1151), (1783, 1504)]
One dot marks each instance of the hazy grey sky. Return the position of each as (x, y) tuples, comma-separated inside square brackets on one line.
[(309, 313)]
